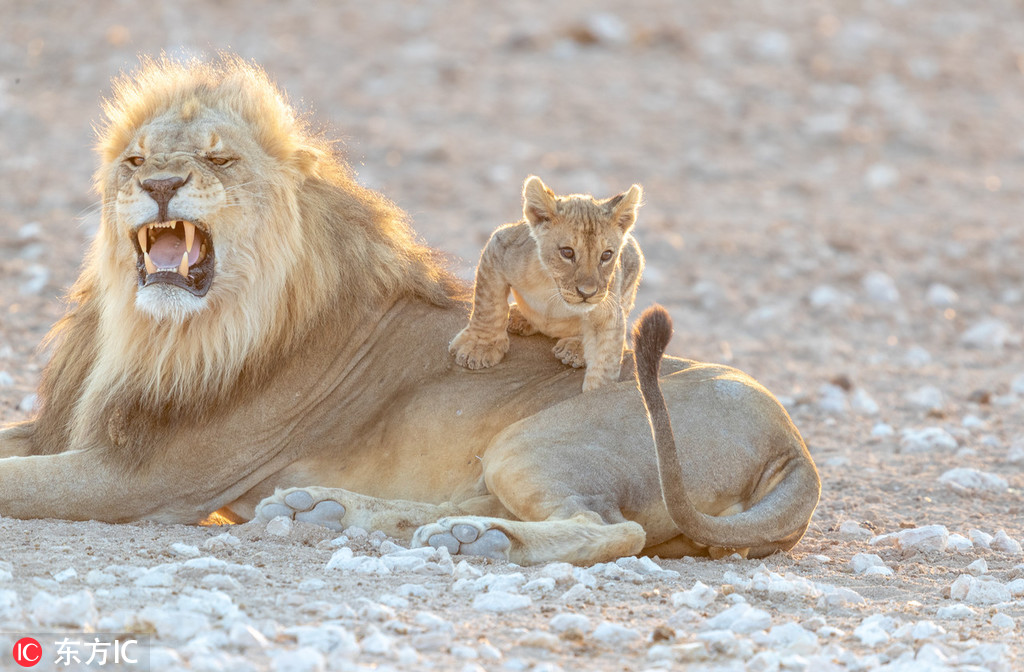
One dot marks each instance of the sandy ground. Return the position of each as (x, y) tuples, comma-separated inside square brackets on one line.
[(833, 194)]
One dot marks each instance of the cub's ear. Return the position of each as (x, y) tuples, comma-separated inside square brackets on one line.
[(306, 160), (624, 206), (538, 202)]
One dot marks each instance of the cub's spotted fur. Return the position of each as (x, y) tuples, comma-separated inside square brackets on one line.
[(572, 267)]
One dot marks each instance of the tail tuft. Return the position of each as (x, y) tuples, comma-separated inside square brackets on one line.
[(651, 335)]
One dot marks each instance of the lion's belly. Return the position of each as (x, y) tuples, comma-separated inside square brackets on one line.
[(546, 311)]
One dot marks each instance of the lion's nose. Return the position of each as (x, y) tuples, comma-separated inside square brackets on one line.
[(162, 191), (586, 291)]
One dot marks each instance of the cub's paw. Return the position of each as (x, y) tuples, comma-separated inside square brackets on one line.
[(570, 351), (466, 535), (518, 324), (475, 350), (302, 505)]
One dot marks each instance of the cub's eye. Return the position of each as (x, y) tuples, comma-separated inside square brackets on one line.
[(606, 255), (567, 253), (135, 160), (219, 160)]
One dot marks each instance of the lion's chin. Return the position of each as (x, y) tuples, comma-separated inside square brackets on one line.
[(168, 303)]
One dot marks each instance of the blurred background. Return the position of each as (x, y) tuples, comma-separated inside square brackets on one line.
[(833, 190)]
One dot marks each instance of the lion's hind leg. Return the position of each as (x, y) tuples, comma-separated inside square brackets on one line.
[(580, 539), (338, 509)]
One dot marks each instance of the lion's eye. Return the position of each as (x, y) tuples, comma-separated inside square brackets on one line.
[(219, 160), (136, 160), (567, 252), (606, 255)]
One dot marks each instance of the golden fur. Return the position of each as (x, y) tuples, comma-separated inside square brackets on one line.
[(573, 267), (298, 366)]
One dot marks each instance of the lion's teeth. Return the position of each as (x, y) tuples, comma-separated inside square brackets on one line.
[(150, 266), (190, 235), (143, 239), (183, 267)]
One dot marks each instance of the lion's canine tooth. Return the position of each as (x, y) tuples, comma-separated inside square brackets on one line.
[(190, 235), (143, 239), (183, 267), (150, 266)]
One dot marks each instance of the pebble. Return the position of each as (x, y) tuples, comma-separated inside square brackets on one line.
[(540, 640), (881, 176), (697, 597), (862, 402), (221, 542), (345, 560), (927, 538), (917, 357), (5, 379), (880, 287), (989, 334), (740, 618), (852, 530), (927, 397), (882, 430), (612, 634), (77, 611), (280, 526), (829, 298), (297, 660), (501, 602), (941, 296), (832, 399), (869, 564), (377, 643), (959, 543), (793, 637), (978, 567), (926, 440), (566, 621), (65, 575), (875, 630), (184, 550), (980, 539), (1004, 544), (967, 480), (983, 591), (1003, 622)]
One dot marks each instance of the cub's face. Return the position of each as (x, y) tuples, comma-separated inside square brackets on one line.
[(180, 210), (579, 238)]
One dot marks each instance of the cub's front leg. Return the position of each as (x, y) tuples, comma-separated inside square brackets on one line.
[(604, 337), (484, 341)]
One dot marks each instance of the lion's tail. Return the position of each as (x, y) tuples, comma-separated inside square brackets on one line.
[(757, 527)]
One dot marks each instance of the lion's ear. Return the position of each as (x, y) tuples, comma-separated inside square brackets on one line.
[(538, 202), (624, 207)]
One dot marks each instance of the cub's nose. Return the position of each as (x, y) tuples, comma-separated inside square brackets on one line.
[(586, 291), (163, 190)]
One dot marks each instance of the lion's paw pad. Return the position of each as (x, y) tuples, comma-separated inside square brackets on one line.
[(303, 507), (466, 539)]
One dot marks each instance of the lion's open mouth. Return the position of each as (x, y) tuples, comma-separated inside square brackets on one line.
[(178, 253)]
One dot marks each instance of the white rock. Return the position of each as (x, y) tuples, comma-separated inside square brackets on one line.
[(829, 298), (926, 396), (28, 403), (206, 563), (989, 334), (245, 636), (926, 440), (851, 529), (1004, 544), (645, 566), (184, 550), (36, 278), (297, 660), (5, 379), (981, 539), (968, 480), (157, 577), (280, 526), (1003, 622), (221, 542), (1016, 453), (697, 597), (927, 538), (377, 643), (983, 591), (874, 630), (863, 403), (501, 602), (941, 296), (832, 399), (882, 430), (861, 562), (345, 560), (726, 643), (612, 634), (881, 176), (978, 567), (917, 357), (608, 28), (566, 621), (578, 593), (173, 624), (330, 639), (65, 575), (542, 586), (955, 612), (210, 602), (740, 618), (793, 637), (220, 582), (959, 543), (1016, 587), (561, 572), (924, 630), (77, 610), (97, 578)]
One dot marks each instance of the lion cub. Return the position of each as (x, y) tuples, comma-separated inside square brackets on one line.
[(572, 267)]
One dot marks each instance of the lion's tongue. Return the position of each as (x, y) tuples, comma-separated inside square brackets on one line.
[(166, 251)]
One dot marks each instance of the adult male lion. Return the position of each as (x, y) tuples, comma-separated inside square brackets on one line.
[(249, 319)]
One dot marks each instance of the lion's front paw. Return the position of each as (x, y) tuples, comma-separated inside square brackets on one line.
[(302, 505), (467, 535), (476, 350), (518, 324), (570, 351)]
